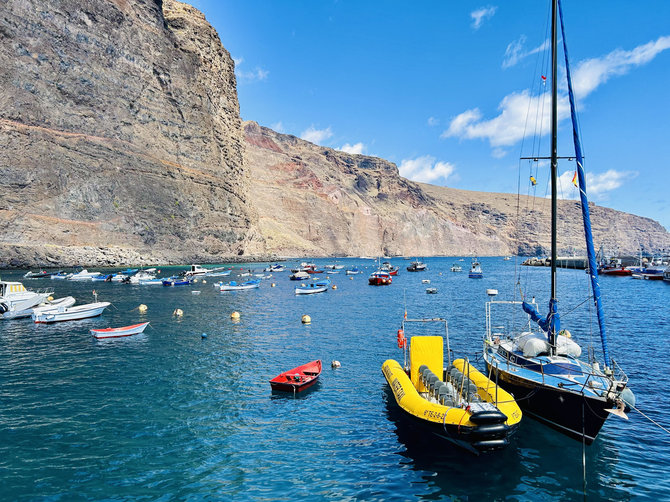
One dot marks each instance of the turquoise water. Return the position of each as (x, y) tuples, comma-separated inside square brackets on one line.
[(168, 415)]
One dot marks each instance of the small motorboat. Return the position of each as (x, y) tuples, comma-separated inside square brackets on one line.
[(379, 278), (102, 278), (172, 281), (61, 313), (425, 281), (83, 275), (299, 276), (134, 329), (60, 275), (36, 275), (234, 286), (312, 288), (67, 301), (275, 268), (456, 268), (431, 291), (475, 270), (387, 267), (353, 271), (297, 379), (416, 266), (455, 402)]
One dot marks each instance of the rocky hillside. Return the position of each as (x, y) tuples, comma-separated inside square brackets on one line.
[(121, 143), (313, 201), (120, 136)]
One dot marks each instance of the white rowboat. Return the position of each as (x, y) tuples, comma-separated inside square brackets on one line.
[(134, 329), (69, 313)]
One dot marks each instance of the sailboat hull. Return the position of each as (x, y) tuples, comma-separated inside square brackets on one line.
[(572, 413)]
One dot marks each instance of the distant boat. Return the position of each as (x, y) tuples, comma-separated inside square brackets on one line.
[(431, 291), (299, 276), (456, 268), (83, 275), (59, 314), (475, 270), (416, 266), (312, 288), (176, 282), (135, 329), (614, 267), (297, 379), (387, 267), (60, 275), (275, 268), (507, 258), (36, 275), (380, 278), (353, 271), (234, 286)]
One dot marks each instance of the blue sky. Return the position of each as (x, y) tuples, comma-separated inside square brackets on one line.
[(443, 90)]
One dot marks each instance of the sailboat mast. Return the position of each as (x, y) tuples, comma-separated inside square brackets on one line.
[(554, 168)]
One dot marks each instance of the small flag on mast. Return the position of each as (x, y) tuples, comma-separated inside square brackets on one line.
[(574, 179), (533, 181)]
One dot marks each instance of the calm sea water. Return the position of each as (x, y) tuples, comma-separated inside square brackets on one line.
[(169, 415)]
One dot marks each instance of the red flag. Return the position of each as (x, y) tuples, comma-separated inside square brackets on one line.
[(544, 79), (574, 179)]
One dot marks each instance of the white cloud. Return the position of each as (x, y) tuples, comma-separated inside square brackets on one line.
[(515, 51), (314, 135), (250, 75), (515, 109), (432, 121), (509, 126), (426, 170), (357, 148), (480, 15), (498, 153), (598, 185), (277, 126), (589, 74)]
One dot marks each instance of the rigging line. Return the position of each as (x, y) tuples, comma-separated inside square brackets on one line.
[(650, 419)]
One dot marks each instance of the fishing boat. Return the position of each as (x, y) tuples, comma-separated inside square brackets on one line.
[(614, 267), (275, 268), (297, 379), (456, 268), (387, 267), (60, 275), (456, 403), (14, 297), (379, 278), (475, 270), (531, 356), (416, 266), (234, 286), (59, 314), (313, 287), (83, 275), (352, 271), (134, 329)]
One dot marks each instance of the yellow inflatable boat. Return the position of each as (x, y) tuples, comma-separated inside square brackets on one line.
[(457, 403)]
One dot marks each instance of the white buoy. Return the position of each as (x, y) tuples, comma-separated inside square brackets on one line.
[(142, 308), (204, 281), (306, 319), (235, 315), (335, 364), (178, 312), (272, 285), (334, 286), (492, 292)]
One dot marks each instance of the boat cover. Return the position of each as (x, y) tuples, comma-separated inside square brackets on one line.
[(426, 350)]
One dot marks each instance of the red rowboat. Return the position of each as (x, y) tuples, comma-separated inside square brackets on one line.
[(118, 332), (297, 379)]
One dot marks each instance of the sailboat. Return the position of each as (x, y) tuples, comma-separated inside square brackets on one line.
[(537, 362)]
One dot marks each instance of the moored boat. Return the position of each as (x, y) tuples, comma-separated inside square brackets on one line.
[(456, 268), (83, 275), (379, 278), (173, 281), (234, 286), (297, 379), (313, 287), (59, 314), (299, 276), (387, 267), (134, 329), (456, 403), (14, 297), (67, 301), (475, 270), (416, 266), (353, 271)]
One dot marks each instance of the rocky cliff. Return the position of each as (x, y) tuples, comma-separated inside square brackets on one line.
[(120, 135), (121, 143), (318, 201)]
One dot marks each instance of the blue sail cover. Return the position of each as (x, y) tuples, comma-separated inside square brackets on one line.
[(590, 251), (551, 323)]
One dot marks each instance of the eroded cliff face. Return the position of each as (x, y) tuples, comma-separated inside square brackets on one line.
[(318, 201), (120, 136)]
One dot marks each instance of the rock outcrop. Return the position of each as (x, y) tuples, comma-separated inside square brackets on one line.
[(317, 201), (120, 130)]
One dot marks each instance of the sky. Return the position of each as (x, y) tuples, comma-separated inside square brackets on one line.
[(448, 91)]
